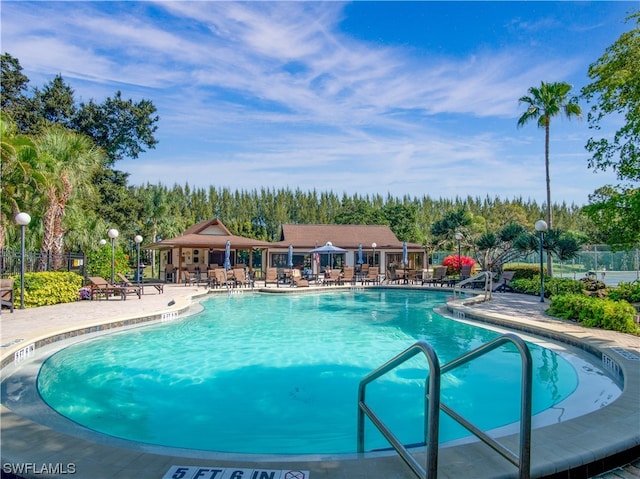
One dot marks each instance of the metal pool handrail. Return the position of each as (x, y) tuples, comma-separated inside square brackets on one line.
[(431, 414), (522, 461), (488, 281)]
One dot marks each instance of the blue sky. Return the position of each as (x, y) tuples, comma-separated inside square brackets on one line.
[(400, 98)]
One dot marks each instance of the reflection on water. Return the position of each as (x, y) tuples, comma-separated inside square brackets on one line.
[(279, 374)]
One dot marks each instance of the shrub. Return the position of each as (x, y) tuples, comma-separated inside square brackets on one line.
[(453, 265), (99, 262), (41, 289), (524, 271), (552, 286), (626, 291), (595, 312)]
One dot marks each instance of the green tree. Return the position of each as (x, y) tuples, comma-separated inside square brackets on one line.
[(68, 161), (14, 83), (615, 91), (550, 100), (493, 250), (54, 104), (121, 127), (20, 180), (616, 212), (445, 228), (14, 101)]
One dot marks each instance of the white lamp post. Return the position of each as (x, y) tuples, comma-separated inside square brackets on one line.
[(541, 227), (373, 261), (459, 237), (22, 219), (138, 240), (113, 234)]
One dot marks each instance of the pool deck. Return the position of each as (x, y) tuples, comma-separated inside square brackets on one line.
[(587, 445)]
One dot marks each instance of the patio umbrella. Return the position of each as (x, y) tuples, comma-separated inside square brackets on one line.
[(360, 254), (290, 257), (405, 259), (227, 256), (328, 249)]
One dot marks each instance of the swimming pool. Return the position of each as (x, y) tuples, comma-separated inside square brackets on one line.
[(279, 374)]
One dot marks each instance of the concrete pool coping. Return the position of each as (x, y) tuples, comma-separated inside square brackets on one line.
[(586, 445)]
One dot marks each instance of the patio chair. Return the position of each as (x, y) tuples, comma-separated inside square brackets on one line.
[(393, 276), (101, 288), (412, 276), (465, 273), (189, 278), (502, 285), (222, 279), (439, 274), (348, 276), (372, 276), (6, 293), (332, 276), (271, 277), (169, 273), (297, 280), (124, 281), (239, 277)]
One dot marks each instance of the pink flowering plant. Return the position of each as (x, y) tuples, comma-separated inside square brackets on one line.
[(454, 263)]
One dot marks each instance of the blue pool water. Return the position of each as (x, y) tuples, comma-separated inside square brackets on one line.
[(271, 373)]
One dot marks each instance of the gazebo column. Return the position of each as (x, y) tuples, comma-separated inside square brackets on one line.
[(179, 278)]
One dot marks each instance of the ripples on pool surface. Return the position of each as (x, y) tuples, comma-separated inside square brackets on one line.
[(271, 373)]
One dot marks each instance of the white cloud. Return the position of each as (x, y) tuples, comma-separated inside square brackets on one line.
[(279, 89)]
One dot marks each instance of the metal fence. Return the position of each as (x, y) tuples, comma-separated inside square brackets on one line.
[(38, 261)]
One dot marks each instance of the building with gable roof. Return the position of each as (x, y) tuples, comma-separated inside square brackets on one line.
[(202, 247)]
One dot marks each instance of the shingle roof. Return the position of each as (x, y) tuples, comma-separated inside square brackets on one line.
[(214, 234), (344, 236), (209, 234)]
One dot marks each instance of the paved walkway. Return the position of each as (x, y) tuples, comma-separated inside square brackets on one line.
[(607, 431)]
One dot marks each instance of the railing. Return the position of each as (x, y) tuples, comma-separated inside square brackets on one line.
[(431, 414), (522, 460), (38, 261), (488, 284)]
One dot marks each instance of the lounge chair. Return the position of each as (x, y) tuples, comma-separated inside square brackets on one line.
[(6, 293), (189, 277), (272, 277), (222, 279), (169, 273), (502, 285), (297, 280), (332, 276), (439, 274), (239, 277), (372, 276), (100, 287), (124, 281), (392, 276), (348, 276), (465, 273)]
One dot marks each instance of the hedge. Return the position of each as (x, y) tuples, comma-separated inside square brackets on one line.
[(552, 286), (46, 288), (595, 312)]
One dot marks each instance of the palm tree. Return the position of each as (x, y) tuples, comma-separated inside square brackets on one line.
[(550, 100), (68, 160), (19, 179)]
